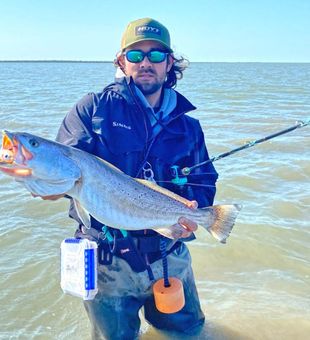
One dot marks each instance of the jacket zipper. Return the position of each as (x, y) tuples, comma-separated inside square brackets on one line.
[(147, 147), (141, 109)]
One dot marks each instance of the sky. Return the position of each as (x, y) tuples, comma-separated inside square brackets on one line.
[(201, 30)]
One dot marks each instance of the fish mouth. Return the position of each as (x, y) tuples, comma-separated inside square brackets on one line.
[(13, 156), (8, 149)]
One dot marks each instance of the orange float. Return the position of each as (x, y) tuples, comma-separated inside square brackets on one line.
[(169, 299)]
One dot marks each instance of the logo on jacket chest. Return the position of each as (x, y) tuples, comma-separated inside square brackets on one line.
[(121, 125)]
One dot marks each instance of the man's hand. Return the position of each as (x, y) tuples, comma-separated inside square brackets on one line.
[(188, 225), (49, 197)]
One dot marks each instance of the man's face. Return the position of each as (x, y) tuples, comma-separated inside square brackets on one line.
[(149, 77)]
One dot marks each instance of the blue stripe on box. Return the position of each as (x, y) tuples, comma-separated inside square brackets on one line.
[(89, 269)]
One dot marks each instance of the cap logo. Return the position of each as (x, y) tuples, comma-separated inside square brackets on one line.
[(147, 29)]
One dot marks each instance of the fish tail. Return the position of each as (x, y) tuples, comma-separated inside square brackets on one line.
[(224, 217)]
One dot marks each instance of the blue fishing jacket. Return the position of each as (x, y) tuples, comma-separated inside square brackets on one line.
[(114, 126)]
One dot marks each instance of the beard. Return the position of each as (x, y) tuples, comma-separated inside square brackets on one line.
[(151, 85), (148, 89)]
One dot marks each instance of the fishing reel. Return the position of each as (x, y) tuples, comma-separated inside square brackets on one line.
[(178, 177)]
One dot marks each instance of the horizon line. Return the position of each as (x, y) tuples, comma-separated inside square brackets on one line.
[(106, 61)]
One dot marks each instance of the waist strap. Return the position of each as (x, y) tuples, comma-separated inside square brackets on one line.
[(139, 251)]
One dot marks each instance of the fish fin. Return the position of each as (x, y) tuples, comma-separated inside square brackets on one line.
[(113, 167), (83, 214), (224, 219), (173, 232), (164, 191)]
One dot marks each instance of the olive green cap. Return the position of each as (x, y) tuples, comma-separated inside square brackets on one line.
[(146, 29)]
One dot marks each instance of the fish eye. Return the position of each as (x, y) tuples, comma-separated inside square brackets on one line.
[(33, 143), (6, 155)]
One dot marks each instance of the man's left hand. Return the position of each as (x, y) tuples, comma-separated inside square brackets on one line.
[(188, 225)]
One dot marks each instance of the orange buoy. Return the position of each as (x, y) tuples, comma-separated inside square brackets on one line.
[(169, 299)]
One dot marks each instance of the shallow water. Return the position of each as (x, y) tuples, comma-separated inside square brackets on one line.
[(257, 286)]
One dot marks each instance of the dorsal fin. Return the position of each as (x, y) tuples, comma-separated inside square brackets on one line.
[(151, 185), (110, 165), (164, 191)]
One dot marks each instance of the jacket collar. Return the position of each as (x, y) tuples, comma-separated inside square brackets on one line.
[(126, 88)]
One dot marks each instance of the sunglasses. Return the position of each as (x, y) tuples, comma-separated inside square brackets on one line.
[(154, 56)]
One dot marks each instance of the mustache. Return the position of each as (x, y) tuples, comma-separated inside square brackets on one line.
[(146, 71)]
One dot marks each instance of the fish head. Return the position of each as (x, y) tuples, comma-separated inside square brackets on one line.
[(25, 156), (13, 156)]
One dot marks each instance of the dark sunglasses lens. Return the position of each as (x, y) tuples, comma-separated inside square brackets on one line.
[(156, 56), (134, 56)]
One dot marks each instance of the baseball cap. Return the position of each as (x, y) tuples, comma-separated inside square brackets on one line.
[(146, 29)]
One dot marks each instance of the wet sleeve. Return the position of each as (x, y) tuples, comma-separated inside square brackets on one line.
[(202, 180), (76, 128)]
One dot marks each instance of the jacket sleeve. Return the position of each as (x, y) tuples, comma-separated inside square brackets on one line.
[(201, 182), (76, 131), (76, 128)]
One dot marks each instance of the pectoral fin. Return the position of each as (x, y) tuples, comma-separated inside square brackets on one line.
[(83, 214)]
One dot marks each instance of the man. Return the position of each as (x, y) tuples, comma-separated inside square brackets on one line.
[(139, 124)]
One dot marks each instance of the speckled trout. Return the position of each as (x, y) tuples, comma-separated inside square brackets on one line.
[(101, 190)]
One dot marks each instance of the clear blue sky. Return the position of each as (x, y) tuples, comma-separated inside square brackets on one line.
[(201, 30)]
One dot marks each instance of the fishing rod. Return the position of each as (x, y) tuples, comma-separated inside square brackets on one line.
[(299, 124)]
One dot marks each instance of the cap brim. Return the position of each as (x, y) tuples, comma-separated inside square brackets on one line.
[(149, 39)]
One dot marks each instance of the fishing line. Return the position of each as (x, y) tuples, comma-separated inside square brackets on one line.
[(193, 184), (202, 173)]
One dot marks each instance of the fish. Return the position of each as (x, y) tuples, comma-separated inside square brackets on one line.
[(101, 190)]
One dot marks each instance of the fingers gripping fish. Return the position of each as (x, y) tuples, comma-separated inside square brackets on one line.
[(101, 190)]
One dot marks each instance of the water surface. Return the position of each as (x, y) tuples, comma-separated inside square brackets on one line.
[(257, 286)]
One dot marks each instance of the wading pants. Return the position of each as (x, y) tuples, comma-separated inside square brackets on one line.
[(122, 293)]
